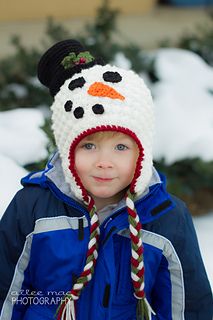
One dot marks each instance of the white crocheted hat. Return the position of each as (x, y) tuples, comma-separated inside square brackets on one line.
[(92, 98)]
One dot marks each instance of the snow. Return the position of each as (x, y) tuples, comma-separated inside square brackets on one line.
[(183, 105), (121, 61), (204, 226), (184, 119), (10, 174), (22, 142)]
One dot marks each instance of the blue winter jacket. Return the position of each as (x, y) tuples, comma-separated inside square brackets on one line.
[(44, 235)]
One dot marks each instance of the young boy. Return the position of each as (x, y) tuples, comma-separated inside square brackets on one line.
[(96, 235)]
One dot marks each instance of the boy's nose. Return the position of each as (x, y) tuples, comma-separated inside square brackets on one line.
[(104, 164)]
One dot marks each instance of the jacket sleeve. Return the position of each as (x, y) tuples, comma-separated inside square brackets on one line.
[(177, 226), (198, 294), (14, 227)]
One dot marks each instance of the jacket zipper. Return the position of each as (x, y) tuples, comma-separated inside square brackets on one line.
[(111, 231)]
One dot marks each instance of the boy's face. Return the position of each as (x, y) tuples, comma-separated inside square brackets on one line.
[(106, 165)]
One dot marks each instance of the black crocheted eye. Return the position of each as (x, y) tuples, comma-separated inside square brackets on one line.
[(78, 112), (110, 76), (68, 106), (77, 83), (98, 109)]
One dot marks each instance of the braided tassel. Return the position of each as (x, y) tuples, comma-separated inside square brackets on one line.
[(66, 309), (144, 310), (68, 312)]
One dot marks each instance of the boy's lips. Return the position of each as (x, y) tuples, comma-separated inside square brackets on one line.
[(102, 179)]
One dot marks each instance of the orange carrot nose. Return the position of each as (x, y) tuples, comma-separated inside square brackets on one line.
[(99, 89)]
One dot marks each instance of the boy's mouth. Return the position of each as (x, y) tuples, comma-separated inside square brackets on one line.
[(102, 179)]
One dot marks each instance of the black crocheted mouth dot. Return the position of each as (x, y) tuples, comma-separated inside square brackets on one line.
[(78, 112), (110, 76), (77, 83), (68, 106), (98, 109)]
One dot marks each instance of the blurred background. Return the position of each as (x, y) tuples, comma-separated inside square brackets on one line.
[(169, 43)]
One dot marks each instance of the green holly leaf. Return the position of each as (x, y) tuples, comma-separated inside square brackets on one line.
[(86, 55), (71, 60)]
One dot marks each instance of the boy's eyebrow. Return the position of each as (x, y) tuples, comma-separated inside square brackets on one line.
[(124, 140), (116, 139), (84, 140)]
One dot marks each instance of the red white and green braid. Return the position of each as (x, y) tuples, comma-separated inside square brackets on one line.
[(144, 310), (66, 310)]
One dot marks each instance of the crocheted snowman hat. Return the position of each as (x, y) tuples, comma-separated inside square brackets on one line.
[(90, 96)]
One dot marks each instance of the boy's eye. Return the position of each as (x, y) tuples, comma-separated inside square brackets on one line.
[(121, 147), (88, 146)]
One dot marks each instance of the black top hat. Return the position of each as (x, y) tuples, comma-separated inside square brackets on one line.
[(62, 61)]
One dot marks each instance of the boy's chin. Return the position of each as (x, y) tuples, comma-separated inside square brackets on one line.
[(107, 194)]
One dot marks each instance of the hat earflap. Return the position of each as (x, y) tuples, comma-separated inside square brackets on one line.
[(66, 309), (144, 309)]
